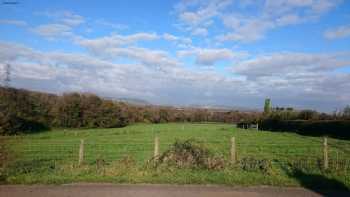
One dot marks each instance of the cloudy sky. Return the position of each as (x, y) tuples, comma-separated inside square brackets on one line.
[(216, 52)]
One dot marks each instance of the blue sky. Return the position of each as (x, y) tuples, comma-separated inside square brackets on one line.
[(217, 52)]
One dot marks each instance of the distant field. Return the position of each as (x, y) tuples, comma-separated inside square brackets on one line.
[(52, 157)]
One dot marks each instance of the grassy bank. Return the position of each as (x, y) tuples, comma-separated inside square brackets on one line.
[(120, 155)]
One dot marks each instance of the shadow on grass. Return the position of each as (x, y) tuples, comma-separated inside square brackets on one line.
[(320, 184)]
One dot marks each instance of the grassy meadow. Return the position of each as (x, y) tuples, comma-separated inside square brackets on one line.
[(121, 155)]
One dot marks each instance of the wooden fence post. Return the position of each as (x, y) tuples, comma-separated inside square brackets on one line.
[(156, 147), (233, 150), (81, 152), (337, 160), (325, 153)]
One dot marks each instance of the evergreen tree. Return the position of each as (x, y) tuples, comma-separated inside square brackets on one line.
[(267, 106)]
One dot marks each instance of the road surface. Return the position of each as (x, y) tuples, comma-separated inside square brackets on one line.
[(107, 190)]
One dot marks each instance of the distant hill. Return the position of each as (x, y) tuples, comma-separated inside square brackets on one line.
[(133, 101), (141, 102), (225, 108)]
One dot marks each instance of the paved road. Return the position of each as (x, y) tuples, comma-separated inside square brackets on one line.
[(106, 190)]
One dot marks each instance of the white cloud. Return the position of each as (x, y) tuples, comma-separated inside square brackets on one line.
[(210, 56), (164, 78), (299, 77), (306, 8), (156, 58), (115, 40), (170, 37), (115, 26), (246, 30), (198, 21), (207, 10), (52, 30), (338, 32), (296, 78), (62, 25), (200, 31), (288, 20), (65, 17), (13, 22), (70, 18), (198, 16), (283, 64), (59, 71), (122, 46), (70, 72), (179, 41), (273, 14), (320, 7)]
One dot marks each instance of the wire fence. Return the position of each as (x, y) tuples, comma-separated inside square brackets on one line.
[(315, 155)]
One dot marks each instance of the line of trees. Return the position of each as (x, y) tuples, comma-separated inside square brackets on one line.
[(28, 111), (280, 113), (23, 111), (306, 122)]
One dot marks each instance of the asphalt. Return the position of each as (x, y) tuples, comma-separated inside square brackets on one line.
[(107, 190)]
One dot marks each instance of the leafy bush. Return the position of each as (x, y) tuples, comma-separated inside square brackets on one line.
[(24, 111), (189, 154), (20, 112)]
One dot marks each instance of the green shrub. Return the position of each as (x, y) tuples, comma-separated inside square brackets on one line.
[(190, 154)]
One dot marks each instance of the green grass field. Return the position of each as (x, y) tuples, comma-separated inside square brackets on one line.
[(52, 157)]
